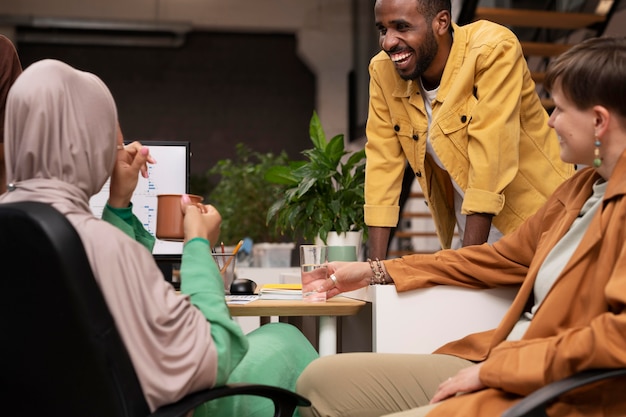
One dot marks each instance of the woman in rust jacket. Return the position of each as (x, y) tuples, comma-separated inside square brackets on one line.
[(569, 260)]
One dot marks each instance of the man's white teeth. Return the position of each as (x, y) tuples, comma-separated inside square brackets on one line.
[(400, 57)]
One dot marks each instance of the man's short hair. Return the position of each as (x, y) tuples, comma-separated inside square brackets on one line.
[(430, 8)]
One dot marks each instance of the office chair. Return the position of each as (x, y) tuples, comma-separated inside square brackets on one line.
[(61, 353), (535, 404)]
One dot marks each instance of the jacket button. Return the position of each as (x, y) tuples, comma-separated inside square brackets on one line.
[(463, 119), (418, 174), (415, 137), (396, 128)]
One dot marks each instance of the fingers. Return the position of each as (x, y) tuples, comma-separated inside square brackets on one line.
[(139, 157), (136, 147), (140, 161), (446, 389), (332, 293), (200, 220), (466, 380), (203, 209), (186, 203)]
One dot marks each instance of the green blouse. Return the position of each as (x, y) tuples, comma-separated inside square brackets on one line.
[(202, 282), (274, 354)]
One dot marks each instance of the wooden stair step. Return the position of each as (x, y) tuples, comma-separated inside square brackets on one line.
[(538, 18), (544, 48), (538, 76)]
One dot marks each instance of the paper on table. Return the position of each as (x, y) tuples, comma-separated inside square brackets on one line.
[(240, 299)]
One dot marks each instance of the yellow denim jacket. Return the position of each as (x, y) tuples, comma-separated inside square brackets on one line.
[(489, 129)]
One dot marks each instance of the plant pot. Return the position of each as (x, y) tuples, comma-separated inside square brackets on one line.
[(345, 239)]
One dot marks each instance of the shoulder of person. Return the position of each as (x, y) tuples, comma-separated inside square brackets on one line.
[(487, 32), (583, 179), (382, 64), (380, 58)]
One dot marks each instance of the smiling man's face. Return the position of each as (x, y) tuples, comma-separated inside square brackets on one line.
[(406, 36)]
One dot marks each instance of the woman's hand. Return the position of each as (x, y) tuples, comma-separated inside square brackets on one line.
[(466, 380), (131, 160), (349, 276), (200, 221)]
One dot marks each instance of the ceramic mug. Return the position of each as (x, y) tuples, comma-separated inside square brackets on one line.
[(170, 216)]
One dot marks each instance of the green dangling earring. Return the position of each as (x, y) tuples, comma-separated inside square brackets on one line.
[(597, 161)]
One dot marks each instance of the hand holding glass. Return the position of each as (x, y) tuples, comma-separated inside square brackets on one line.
[(313, 271)]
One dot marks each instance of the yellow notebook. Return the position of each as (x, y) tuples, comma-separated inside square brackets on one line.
[(281, 292), (283, 286)]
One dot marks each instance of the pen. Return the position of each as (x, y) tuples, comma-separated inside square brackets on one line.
[(230, 258)]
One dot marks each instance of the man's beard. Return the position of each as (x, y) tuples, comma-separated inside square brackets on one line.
[(426, 55)]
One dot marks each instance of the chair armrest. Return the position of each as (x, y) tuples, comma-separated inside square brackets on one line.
[(285, 401), (535, 404)]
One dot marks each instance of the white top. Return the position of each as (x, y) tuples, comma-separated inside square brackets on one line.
[(494, 233)]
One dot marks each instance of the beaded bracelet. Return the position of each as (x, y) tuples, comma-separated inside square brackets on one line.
[(378, 273)]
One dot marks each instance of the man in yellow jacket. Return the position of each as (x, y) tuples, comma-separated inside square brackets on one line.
[(459, 104)]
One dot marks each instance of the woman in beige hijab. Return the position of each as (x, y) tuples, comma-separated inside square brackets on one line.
[(10, 68), (61, 143)]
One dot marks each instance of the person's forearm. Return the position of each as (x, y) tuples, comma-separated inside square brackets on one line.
[(378, 239), (202, 281), (477, 227)]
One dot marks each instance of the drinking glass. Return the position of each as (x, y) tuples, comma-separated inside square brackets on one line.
[(313, 271)]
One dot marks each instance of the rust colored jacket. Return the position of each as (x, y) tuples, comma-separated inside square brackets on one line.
[(580, 325)]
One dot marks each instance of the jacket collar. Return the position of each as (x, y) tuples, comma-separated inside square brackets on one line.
[(616, 187), (617, 182)]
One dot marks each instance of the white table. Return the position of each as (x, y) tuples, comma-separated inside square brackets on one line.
[(420, 321)]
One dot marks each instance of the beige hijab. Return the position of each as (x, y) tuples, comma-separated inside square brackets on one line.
[(60, 144)]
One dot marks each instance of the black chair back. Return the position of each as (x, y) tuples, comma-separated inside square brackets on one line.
[(61, 352)]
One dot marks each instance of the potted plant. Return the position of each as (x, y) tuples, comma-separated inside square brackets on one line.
[(243, 196), (325, 191)]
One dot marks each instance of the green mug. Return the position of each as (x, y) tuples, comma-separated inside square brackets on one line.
[(341, 253)]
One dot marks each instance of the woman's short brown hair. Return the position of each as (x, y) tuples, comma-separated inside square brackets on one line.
[(591, 73)]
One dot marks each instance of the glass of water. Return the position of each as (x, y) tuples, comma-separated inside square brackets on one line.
[(313, 271)]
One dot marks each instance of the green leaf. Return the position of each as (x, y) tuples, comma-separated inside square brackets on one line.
[(318, 137), (281, 175)]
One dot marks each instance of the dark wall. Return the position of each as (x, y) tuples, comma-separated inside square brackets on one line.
[(217, 90)]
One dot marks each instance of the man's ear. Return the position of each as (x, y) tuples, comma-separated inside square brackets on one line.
[(441, 23)]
